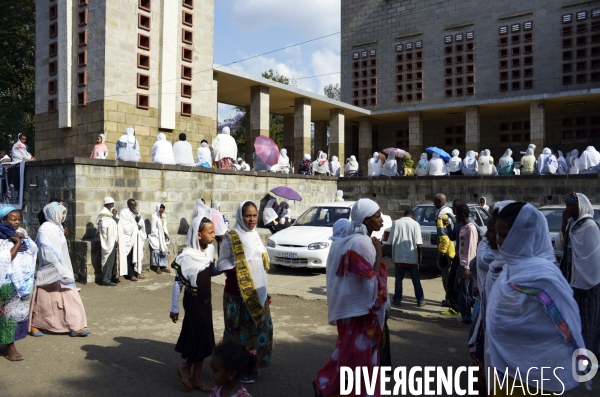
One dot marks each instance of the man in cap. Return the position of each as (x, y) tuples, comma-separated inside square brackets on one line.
[(109, 240)]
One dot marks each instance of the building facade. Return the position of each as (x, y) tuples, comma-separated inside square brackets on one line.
[(472, 75)]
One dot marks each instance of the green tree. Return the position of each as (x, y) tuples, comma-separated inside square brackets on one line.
[(333, 91), (17, 71)]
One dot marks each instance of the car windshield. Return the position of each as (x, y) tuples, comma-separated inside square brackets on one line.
[(323, 216), (554, 218), (425, 215)]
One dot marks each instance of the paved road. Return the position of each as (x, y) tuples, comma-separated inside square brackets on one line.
[(131, 349)]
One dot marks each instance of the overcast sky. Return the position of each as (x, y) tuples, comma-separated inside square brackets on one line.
[(245, 28)]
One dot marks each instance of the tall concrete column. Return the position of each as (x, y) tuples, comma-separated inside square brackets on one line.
[(288, 136), (537, 120), (336, 136), (472, 129), (259, 118), (302, 141), (321, 136), (365, 142), (415, 135)]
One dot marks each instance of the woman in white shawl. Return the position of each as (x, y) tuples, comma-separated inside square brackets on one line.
[(486, 163), (128, 147), (245, 262), (285, 213), (573, 161), (506, 164), (528, 163), (351, 165), (17, 269), (374, 165), (56, 305), (357, 299), (437, 166), (579, 239), (422, 165), (321, 165), (158, 239), (20, 150), (162, 150), (334, 165), (390, 168), (547, 164), (283, 165), (563, 168), (339, 196), (532, 319), (194, 267), (455, 163), (590, 158), (470, 166), (224, 149), (203, 157), (182, 152)]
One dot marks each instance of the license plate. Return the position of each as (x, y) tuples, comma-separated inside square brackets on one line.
[(425, 237), (290, 255)]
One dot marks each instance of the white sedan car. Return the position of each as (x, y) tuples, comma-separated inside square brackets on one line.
[(306, 243)]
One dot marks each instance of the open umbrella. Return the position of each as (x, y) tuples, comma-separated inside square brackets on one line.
[(442, 153), (266, 150), (286, 192), (399, 153)]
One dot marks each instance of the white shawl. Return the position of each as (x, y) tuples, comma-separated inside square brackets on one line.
[(589, 158), (54, 260), (485, 163), (224, 145), (390, 168), (547, 163), (506, 160), (253, 248), (217, 220), (455, 163), (20, 151), (470, 167), (283, 165), (203, 156), (183, 153), (192, 259), (573, 161), (128, 147), (322, 159), (131, 236), (351, 164), (158, 229), (108, 233), (437, 166), (334, 165), (422, 165), (162, 150), (374, 165), (520, 331)]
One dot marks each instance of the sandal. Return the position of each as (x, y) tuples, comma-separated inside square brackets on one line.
[(185, 381), (203, 387), (18, 358)]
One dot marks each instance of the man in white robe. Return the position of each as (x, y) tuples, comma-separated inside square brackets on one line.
[(132, 234), (183, 153), (109, 240), (224, 149)]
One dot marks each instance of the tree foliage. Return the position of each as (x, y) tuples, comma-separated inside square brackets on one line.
[(237, 124), (333, 91), (17, 71)]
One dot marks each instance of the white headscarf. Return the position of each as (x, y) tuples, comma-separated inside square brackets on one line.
[(532, 147), (506, 160), (162, 150), (306, 156), (455, 163), (224, 145), (374, 165), (192, 259), (563, 168), (54, 260), (573, 161), (225, 130), (352, 164), (390, 168), (470, 166), (547, 163), (284, 160), (128, 137), (128, 148), (269, 215), (340, 229), (437, 166), (589, 158), (203, 156), (520, 330), (202, 208), (361, 210), (335, 166), (321, 164), (485, 163), (422, 165), (338, 196)]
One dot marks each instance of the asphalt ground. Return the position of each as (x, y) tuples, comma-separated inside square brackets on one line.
[(130, 351)]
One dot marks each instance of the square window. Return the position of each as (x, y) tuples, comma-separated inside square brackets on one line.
[(409, 56), (52, 106), (567, 134), (567, 122), (459, 70), (470, 46), (448, 39), (449, 141), (52, 87), (503, 41), (144, 22), (516, 51), (503, 30), (448, 82), (354, 83), (186, 90), (52, 30), (526, 137), (399, 58), (448, 93), (503, 64), (459, 48), (143, 61), (528, 37), (516, 137), (143, 42), (581, 65), (504, 126), (567, 30), (516, 74), (449, 130), (595, 39), (595, 120), (52, 68), (82, 38), (399, 88), (356, 74), (528, 25), (187, 18), (470, 90), (528, 61), (419, 76), (581, 53), (187, 36), (419, 96), (581, 28), (399, 133), (373, 81), (528, 84), (52, 49), (515, 62), (82, 98), (526, 125), (188, 3), (373, 101), (567, 18), (418, 44), (373, 91), (459, 37), (409, 76), (470, 79), (503, 52), (470, 35), (364, 92), (460, 59), (82, 58), (355, 102), (448, 71), (582, 15), (186, 55), (52, 12), (595, 64), (595, 133), (409, 66), (459, 92), (363, 73), (82, 17), (516, 85), (528, 73), (373, 62), (373, 72), (503, 75), (365, 63), (567, 55), (364, 83), (528, 49), (419, 65), (515, 28), (355, 93), (82, 79), (186, 72), (595, 51), (460, 141), (516, 39), (504, 138), (581, 134), (459, 81), (471, 57), (398, 98), (470, 68), (143, 81), (517, 125), (373, 53), (448, 61), (145, 5), (581, 78), (186, 109), (409, 97), (409, 87), (595, 26), (143, 101), (419, 55), (567, 80), (364, 54), (582, 40), (581, 121), (356, 65)]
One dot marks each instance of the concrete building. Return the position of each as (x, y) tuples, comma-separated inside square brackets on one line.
[(472, 75)]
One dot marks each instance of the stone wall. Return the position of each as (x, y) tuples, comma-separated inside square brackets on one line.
[(83, 183), (395, 195)]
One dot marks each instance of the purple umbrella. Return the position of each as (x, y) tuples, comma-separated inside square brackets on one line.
[(286, 192)]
